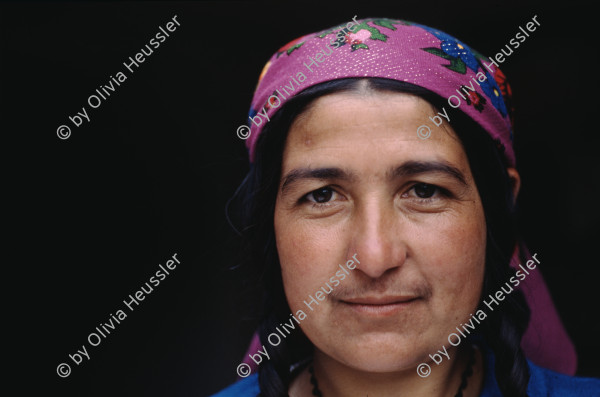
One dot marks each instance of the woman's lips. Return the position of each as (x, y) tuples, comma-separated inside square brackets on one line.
[(380, 306)]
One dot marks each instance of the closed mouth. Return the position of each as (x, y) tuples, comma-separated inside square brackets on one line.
[(380, 301), (380, 306)]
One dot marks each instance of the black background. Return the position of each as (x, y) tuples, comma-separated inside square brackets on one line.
[(150, 174)]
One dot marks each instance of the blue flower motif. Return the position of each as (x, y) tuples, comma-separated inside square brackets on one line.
[(458, 50), (492, 91), (455, 48)]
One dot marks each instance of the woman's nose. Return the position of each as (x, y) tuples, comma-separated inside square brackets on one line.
[(379, 239)]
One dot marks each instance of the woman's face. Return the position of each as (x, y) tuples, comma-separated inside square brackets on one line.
[(356, 179)]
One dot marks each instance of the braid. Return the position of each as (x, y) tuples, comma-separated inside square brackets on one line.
[(512, 370), (272, 372), (503, 331), (504, 327)]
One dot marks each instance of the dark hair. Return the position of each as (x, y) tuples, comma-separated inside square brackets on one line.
[(502, 329)]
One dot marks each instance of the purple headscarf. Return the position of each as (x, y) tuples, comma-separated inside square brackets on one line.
[(393, 49), (429, 58)]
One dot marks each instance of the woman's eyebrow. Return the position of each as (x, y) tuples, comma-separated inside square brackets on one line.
[(408, 168), (411, 168), (315, 173)]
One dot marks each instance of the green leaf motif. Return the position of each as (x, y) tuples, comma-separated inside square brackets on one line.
[(438, 52), (456, 64), (291, 49), (388, 23), (329, 31)]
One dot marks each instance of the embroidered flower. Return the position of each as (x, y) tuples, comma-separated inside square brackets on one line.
[(271, 102), (458, 53), (356, 40), (506, 91), (358, 37), (359, 34), (493, 92), (500, 79), (458, 50), (474, 98)]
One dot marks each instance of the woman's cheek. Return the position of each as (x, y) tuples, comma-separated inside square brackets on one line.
[(301, 253), (451, 253)]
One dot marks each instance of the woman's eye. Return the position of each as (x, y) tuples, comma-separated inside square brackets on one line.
[(320, 196), (424, 190)]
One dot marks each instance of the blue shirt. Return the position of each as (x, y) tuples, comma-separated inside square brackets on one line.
[(542, 382)]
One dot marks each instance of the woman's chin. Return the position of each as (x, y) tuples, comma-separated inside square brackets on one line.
[(392, 360)]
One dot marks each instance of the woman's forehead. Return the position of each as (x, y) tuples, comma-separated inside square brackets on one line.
[(370, 132)]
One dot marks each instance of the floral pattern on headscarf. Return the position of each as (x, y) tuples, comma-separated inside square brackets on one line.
[(461, 57), (392, 49)]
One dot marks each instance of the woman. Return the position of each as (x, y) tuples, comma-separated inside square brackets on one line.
[(380, 222)]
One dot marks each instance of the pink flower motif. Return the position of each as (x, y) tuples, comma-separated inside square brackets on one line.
[(359, 37)]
